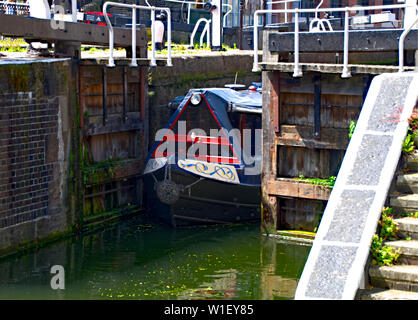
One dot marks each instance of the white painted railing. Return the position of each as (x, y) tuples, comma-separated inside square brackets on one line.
[(402, 42), (322, 24), (346, 10), (134, 8), (206, 31), (227, 13)]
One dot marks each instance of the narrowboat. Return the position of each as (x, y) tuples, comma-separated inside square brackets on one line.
[(205, 165)]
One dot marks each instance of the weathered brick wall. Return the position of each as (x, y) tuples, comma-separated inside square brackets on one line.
[(34, 153), (26, 171)]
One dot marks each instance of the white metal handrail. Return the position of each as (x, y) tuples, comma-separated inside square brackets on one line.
[(296, 12), (402, 42), (317, 7), (134, 8), (206, 31), (227, 13), (320, 22)]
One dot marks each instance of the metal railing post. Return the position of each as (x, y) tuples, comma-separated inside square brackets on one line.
[(74, 10), (169, 61), (111, 63), (227, 13), (133, 62), (256, 68), (206, 28), (285, 15), (206, 31), (297, 72), (134, 8), (402, 43), (153, 62), (346, 73)]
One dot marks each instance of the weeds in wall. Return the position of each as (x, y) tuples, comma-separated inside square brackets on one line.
[(351, 129), (384, 255), (329, 182), (408, 144), (13, 45)]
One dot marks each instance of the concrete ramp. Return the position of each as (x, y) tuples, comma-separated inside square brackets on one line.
[(336, 263)]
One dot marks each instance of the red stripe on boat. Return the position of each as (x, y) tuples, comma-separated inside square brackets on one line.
[(227, 160)]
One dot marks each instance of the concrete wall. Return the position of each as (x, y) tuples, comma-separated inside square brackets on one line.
[(35, 126), (189, 72)]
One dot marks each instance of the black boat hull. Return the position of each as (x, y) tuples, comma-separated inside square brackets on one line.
[(206, 202)]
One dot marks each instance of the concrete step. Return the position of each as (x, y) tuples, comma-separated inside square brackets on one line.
[(409, 250), (398, 277), (412, 160), (407, 183), (387, 294), (404, 203), (408, 227)]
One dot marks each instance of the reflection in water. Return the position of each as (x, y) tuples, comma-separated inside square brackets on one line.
[(137, 260)]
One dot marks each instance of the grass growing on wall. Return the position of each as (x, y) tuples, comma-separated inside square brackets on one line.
[(13, 45), (329, 182)]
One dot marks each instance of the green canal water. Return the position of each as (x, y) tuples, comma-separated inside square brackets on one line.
[(136, 259)]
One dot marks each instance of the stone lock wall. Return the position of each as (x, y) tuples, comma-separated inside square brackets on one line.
[(34, 152), (51, 128)]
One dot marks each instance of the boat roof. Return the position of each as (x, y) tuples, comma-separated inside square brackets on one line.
[(244, 98)]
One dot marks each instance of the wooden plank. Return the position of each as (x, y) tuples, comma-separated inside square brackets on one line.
[(312, 162), (121, 170), (91, 74), (125, 94), (324, 161), (303, 136), (112, 146), (352, 113), (335, 160), (142, 91), (283, 187), (268, 147), (331, 84), (360, 41), (104, 95), (331, 68), (317, 105), (290, 165), (326, 116), (270, 161), (40, 29), (115, 123), (275, 102)]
